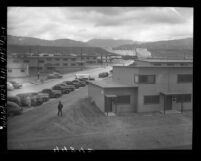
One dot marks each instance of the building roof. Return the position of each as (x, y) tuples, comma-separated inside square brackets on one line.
[(110, 83), (167, 60)]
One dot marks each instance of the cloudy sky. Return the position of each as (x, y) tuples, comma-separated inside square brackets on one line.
[(85, 23)]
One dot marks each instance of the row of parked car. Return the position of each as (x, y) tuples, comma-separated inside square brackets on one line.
[(11, 85), (16, 103)]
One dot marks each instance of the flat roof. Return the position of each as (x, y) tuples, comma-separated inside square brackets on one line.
[(110, 83), (148, 66), (174, 93), (166, 60)]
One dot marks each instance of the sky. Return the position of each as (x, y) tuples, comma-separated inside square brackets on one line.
[(85, 23)]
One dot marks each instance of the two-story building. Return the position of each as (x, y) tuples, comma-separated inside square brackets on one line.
[(146, 85)]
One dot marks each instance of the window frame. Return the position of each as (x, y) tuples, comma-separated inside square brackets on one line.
[(123, 103), (152, 99), (184, 81), (140, 82)]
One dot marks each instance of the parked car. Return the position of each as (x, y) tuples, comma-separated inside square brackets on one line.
[(75, 84), (52, 93), (16, 85), (63, 89), (30, 99), (13, 108), (44, 96), (81, 83), (10, 86), (54, 75), (103, 75), (71, 87), (91, 78), (14, 99)]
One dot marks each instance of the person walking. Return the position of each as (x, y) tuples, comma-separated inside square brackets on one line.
[(60, 106)]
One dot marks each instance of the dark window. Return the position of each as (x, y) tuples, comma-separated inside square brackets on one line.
[(72, 64), (57, 64), (65, 64), (183, 64), (147, 79), (184, 78), (49, 59), (154, 99), (65, 58), (183, 98), (22, 70), (57, 58), (9, 70), (26, 61), (73, 59), (170, 64), (123, 99), (41, 61), (157, 64)]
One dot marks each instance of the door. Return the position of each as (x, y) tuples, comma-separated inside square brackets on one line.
[(108, 104), (168, 102)]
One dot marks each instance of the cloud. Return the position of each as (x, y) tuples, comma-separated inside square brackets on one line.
[(84, 23)]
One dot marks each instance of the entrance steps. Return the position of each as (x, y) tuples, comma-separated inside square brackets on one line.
[(110, 114), (171, 111)]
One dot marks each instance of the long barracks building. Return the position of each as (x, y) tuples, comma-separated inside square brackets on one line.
[(146, 85)]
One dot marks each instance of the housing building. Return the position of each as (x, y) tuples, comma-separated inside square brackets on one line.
[(16, 68), (57, 61), (146, 85)]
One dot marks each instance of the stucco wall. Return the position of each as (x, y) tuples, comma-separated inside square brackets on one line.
[(132, 107), (166, 80), (97, 95)]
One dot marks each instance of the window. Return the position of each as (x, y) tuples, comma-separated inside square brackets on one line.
[(157, 64), (184, 78), (57, 59), (183, 98), (65, 58), (154, 99), (183, 64), (57, 64), (22, 70), (9, 70), (73, 59), (49, 59), (136, 79), (72, 64), (123, 99), (170, 64), (147, 79), (65, 64), (41, 61), (26, 61)]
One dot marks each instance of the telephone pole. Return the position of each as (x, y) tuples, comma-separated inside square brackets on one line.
[(81, 58)]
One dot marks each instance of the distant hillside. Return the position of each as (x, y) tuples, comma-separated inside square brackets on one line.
[(170, 48), (169, 44), (16, 40), (105, 43), (51, 49)]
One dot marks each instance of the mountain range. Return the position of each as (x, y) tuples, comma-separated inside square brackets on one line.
[(166, 47)]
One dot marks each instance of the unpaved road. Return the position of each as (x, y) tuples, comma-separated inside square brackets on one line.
[(40, 128)]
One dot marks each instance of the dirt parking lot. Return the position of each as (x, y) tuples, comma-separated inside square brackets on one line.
[(83, 125)]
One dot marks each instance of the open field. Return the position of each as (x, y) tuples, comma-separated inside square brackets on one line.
[(83, 125)]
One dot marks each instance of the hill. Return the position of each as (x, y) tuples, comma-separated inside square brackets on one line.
[(168, 44), (24, 41), (108, 43)]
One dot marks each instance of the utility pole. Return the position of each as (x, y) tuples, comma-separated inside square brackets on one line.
[(38, 73), (81, 58)]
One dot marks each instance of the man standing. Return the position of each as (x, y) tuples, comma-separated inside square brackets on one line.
[(60, 106)]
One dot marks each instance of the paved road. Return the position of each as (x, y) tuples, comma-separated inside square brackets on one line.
[(50, 83)]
